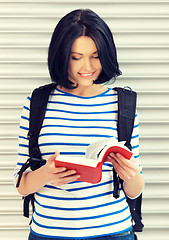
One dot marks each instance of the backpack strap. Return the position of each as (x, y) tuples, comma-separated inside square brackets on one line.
[(126, 115), (125, 124), (39, 100), (135, 209)]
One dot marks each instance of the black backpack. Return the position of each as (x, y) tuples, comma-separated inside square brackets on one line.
[(126, 116)]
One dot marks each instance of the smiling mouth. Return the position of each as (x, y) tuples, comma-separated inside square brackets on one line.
[(87, 75)]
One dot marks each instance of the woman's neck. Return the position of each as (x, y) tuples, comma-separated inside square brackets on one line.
[(85, 91)]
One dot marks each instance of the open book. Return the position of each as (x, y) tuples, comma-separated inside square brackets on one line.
[(90, 167)]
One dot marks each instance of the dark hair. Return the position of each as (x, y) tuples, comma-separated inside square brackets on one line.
[(81, 22)]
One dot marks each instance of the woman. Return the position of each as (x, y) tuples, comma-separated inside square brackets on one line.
[(81, 110)]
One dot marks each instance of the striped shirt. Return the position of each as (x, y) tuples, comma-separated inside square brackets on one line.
[(77, 209)]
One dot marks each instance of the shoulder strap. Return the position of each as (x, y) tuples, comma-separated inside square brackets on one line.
[(39, 100), (125, 123), (135, 209), (126, 114)]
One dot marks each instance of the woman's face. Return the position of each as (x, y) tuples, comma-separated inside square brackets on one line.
[(84, 64)]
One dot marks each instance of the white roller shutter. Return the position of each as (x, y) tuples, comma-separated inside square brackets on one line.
[(141, 32)]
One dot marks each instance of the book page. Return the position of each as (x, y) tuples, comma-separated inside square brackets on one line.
[(95, 148), (96, 152), (78, 160), (98, 149)]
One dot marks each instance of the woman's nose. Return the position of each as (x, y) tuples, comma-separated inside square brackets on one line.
[(88, 65)]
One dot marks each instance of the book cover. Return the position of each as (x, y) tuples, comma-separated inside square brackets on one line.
[(90, 167)]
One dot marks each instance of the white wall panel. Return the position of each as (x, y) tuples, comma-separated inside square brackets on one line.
[(141, 33), (126, 53), (136, 38)]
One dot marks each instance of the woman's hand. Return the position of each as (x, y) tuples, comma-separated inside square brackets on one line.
[(58, 175), (129, 171), (126, 169), (33, 181)]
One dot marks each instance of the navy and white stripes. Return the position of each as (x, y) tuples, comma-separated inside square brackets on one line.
[(78, 209)]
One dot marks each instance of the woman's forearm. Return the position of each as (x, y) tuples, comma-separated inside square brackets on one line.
[(33, 181), (134, 186)]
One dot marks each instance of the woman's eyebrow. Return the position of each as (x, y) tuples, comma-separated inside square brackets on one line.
[(82, 54), (76, 53)]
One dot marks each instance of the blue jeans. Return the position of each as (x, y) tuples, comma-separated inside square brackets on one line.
[(123, 236)]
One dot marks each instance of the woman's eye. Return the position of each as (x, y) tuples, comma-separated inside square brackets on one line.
[(74, 58), (96, 57)]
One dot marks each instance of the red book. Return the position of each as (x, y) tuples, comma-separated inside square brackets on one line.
[(90, 167)]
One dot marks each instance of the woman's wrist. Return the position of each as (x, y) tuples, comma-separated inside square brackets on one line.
[(134, 186), (33, 181)]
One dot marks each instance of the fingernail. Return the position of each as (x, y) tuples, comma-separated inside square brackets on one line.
[(118, 155), (112, 154)]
